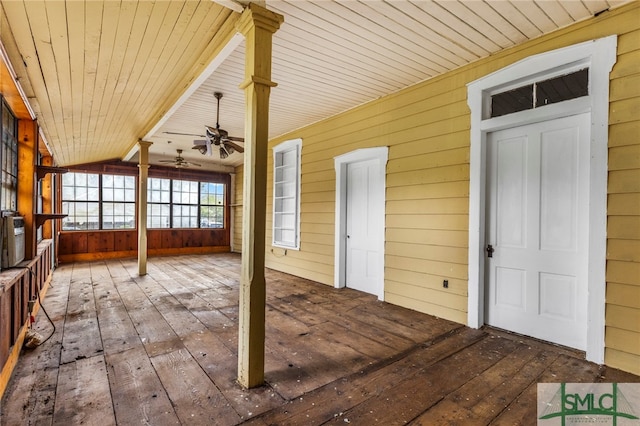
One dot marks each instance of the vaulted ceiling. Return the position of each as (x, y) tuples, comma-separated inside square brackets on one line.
[(99, 75)]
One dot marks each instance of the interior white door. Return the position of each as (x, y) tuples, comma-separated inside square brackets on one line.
[(537, 226), (363, 226)]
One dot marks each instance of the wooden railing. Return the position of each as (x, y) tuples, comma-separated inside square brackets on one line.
[(18, 286)]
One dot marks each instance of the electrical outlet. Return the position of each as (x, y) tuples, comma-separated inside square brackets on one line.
[(445, 283)]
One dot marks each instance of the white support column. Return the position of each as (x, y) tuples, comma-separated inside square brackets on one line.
[(257, 24), (143, 173)]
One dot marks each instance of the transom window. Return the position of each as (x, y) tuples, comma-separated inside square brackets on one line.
[(563, 88)]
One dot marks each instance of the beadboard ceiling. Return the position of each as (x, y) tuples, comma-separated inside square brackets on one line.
[(100, 75)]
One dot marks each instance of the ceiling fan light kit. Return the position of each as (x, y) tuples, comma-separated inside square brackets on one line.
[(223, 153)]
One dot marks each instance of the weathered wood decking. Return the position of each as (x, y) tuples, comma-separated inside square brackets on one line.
[(162, 349)]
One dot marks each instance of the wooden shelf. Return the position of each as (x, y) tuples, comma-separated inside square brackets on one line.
[(41, 171), (41, 218)]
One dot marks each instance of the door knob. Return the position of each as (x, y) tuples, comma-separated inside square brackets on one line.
[(490, 250)]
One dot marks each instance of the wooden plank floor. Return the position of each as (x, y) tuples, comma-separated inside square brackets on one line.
[(162, 349)]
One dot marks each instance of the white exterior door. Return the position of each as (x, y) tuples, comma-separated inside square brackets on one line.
[(363, 226), (537, 223)]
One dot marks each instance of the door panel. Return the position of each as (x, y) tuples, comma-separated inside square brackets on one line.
[(512, 174), (510, 288), (537, 216), (363, 226), (558, 191)]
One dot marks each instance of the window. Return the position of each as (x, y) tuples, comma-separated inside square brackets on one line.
[(286, 194), (185, 204), (118, 202), (211, 205), (158, 203), (80, 201), (93, 201), (9, 160), (105, 201), (557, 89)]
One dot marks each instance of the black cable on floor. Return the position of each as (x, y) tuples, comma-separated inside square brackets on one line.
[(43, 309), (48, 317)]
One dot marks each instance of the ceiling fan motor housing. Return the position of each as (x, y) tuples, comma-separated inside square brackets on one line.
[(218, 137)]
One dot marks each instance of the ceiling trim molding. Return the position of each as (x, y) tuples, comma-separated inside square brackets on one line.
[(231, 4), (218, 56), (233, 43)]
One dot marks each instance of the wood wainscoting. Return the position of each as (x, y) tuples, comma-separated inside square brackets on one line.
[(92, 245), (19, 285)]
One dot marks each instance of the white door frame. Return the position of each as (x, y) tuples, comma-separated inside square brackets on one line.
[(381, 154), (599, 56)]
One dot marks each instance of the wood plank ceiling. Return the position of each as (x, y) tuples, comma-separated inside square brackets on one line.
[(101, 74)]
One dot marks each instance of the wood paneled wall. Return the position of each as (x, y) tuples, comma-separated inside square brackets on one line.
[(622, 335), (18, 286), (88, 245), (426, 128)]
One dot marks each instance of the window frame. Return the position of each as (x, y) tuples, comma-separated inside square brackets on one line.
[(101, 201), (114, 201), (183, 205), (150, 203), (172, 203), (159, 172), (9, 192), (279, 151), (216, 206)]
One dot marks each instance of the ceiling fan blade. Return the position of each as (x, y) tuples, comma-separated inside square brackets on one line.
[(166, 161), (234, 146), (199, 144), (183, 134), (235, 138), (212, 132), (209, 150)]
